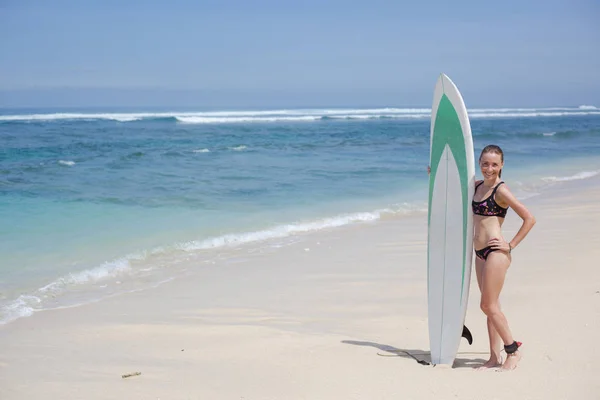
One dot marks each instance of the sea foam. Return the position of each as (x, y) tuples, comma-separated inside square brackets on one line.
[(122, 268), (66, 163), (299, 115), (576, 177)]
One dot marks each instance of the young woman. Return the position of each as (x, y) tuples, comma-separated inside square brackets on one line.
[(491, 201)]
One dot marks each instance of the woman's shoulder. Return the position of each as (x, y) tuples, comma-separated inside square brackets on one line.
[(503, 190), (502, 187)]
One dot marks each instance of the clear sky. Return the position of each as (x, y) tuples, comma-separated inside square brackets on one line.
[(297, 53)]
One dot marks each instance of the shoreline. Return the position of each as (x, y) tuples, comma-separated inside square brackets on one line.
[(308, 321), (142, 269)]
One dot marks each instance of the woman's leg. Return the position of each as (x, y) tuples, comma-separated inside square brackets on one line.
[(494, 338), (494, 273)]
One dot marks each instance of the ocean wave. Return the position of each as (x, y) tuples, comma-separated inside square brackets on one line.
[(532, 114), (299, 115), (26, 304), (66, 163), (370, 111), (373, 116), (238, 148), (558, 135), (530, 135), (201, 151), (136, 263), (277, 232), (121, 117), (576, 177), (104, 271), (155, 118), (23, 306), (282, 231), (233, 119)]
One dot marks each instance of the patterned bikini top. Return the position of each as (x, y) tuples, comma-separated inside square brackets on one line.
[(488, 207)]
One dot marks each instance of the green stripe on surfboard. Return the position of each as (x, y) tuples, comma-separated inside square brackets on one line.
[(448, 131)]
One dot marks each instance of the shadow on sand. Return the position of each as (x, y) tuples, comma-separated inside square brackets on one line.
[(420, 356)]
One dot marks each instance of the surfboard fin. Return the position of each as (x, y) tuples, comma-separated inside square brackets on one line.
[(466, 333)]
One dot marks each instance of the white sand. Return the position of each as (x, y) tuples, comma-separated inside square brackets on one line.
[(307, 321)]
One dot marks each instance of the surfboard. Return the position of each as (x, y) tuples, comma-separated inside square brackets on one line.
[(450, 220)]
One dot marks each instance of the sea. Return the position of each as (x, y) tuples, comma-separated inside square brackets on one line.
[(98, 202)]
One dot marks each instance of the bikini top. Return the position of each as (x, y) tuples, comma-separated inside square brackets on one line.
[(488, 207)]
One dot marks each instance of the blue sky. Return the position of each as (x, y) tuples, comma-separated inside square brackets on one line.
[(303, 53)]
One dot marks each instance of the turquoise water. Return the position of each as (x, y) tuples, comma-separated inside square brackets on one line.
[(97, 202)]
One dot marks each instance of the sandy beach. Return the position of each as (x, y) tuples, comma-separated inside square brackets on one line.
[(340, 314)]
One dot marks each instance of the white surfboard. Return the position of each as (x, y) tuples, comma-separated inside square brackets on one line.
[(450, 220)]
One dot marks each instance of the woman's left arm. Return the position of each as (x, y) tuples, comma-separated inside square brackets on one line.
[(507, 198)]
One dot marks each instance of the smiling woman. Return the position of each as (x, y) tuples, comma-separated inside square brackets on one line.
[(491, 201)]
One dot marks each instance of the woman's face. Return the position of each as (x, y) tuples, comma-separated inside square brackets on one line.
[(490, 164)]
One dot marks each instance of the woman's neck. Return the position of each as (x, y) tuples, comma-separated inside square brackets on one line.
[(491, 182)]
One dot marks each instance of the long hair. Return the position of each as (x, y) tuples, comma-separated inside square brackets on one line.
[(492, 148)]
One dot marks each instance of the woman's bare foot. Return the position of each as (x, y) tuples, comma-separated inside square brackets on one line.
[(493, 362), (511, 361)]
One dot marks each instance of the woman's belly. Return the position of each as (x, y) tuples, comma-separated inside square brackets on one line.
[(486, 228)]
